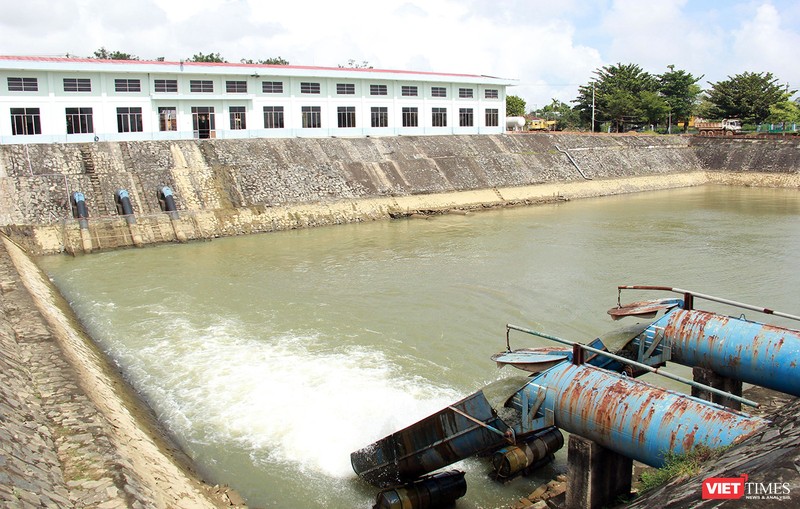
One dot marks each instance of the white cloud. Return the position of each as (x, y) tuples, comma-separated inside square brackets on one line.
[(763, 44), (551, 47)]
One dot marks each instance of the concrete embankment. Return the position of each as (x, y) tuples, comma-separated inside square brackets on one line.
[(73, 434), (232, 187)]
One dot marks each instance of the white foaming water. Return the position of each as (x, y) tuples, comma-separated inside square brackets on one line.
[(284, 400)]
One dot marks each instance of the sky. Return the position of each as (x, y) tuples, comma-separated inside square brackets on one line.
[(551, 47)]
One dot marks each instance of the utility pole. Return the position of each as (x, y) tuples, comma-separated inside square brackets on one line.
[(592, 106)]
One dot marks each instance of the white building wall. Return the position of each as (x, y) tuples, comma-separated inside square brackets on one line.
[(52, 100)]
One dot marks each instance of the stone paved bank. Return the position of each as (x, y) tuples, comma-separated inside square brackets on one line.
[(72, 435), (232, 187)]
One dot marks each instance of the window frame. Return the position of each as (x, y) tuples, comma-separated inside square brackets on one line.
[(167, 123), (346, 117), (235, 86), (439, 92), (238, 118), (165, 86), (466, 117), (491, 93), (129, 119), (271, 87), (77, 84), (379, 116), (310, 87), (410, 116), (81, 117), (201, 86), (409, 91), (127, 85), (311, 117), (492, 117), (466, 93), (379, 90), (438, 117), (29, 119), (345, 89), (26, 84), (276, 116)]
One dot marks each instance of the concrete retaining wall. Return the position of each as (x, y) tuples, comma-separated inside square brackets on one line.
[(229, 187)]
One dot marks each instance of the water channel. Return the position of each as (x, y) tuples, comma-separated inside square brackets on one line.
[(271, 357)]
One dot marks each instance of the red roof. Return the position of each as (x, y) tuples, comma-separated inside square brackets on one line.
[(225, 64)]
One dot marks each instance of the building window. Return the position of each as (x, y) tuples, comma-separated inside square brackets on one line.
[(79, 121), (273, 117), (166, 86), (309, 88), (465, 93), (409, 91), (238, 117), (312, 117), (380, 116), (124, 85), (236, 87), (201, 86), (345, 88), (346, 116), (203, 121), (410, 117), (23, 85), (25, 121), (272, 87), (438, 92), (466, 117), (77, 85), (378, 90), (492, 93), (492, 117), (439, 117), (167, 118), (129, 120)]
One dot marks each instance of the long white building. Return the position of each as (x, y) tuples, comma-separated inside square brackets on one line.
[(61, 100)]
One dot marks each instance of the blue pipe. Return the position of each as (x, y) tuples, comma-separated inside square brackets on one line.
[(752, 352), (629, 416)]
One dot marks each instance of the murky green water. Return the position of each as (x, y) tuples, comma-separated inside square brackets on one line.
[(272, 357)]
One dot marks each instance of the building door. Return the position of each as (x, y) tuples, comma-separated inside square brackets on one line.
[(203, 122)]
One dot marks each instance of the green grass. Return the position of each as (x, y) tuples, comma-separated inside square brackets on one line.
[(678, 466)]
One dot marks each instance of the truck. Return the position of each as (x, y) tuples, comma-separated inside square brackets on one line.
[(540, 124), (724, 127)]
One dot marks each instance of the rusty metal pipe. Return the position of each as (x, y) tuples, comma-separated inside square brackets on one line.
[(632, 417), (639, 365), (752, 352)]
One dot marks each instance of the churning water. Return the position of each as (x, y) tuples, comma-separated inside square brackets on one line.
[(270, 358)]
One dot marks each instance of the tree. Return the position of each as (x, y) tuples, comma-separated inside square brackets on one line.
[(515, 106), (566, 117), (352, 64), (268, 61), (618, 95), (211, 57), (104, 54), (747, 96), (680, 91), (786, 111)]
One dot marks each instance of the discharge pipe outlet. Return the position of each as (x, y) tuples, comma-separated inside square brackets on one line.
[(513, 459), (79, 209), (123, 202), (438, 490), (166, 200)]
